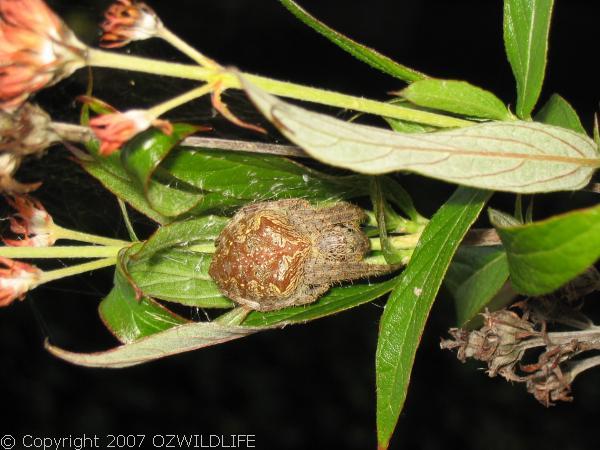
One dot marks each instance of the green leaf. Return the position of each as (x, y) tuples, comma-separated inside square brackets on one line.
[(503, 220), (474, 278), (112, 175), (514, 156), (409, 304), (526, 30), (380, 207), (457, 97), (252, 177), (338, 299), (130, 319), (397, 195), (176, 275), (184, 233), (557, 111), (545, 255), (359, 51), (180, 339), (143, 155)]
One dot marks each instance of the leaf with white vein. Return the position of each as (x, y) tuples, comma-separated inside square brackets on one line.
[(175, 340), (513, 156)]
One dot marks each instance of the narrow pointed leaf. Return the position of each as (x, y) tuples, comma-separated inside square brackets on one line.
[(515, 156), (180, 339), (457, 97), (359, 51), (526, 30), (543, 256), (409, 304), (557, 111), (130, 319), (474, 278)]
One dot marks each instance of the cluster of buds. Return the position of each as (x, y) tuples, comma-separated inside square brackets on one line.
[(505, 338), (35, 228), (116, 128), (36, 49), (16, 279), (32, 223), (127, 21)]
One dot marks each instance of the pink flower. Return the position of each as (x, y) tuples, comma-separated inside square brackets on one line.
[(16, 278), (36, 50), (114, 129), (32, 221), (126, 21)]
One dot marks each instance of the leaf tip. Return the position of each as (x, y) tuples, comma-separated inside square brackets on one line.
[(383, 446)]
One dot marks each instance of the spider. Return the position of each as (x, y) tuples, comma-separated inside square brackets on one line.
[(284, 253)]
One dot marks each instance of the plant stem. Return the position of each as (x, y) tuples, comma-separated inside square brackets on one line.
[(403, 242), (203, 248), (64, 233), (100, 58), (76, 270), (79, 252), (193, 94), (583, 365), (166, 34), (375, 260), (128, 224)]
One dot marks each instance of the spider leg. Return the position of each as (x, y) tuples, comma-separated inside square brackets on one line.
[(334, 272), (287, 204), (340, 213), (303, 296)]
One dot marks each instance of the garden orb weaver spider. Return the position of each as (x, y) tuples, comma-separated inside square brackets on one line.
[(284, 253)]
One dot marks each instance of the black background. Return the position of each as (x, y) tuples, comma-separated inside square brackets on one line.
[(305, 386)]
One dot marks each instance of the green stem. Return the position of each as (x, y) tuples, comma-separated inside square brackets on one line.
[(203, 248), (100, 58), (380, 259), (76, 270), (128, 224), (79, 252), (185, 48), (64, 233), (182, 99)]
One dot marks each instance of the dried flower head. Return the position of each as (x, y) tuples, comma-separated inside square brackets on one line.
[(501, 342), (114, 129), (16, 279), (9, 163), (126, 21), (32, 221), (36, 50), (505, 339), (26, 131)]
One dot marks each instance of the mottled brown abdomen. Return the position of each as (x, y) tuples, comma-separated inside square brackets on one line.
[(260, 258)]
